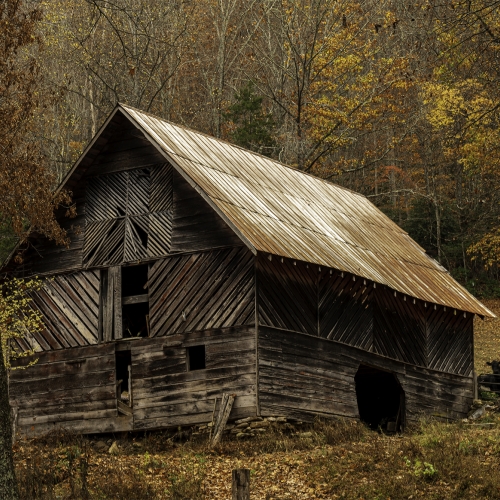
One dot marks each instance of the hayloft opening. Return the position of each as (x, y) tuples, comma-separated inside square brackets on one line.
[(381, 399), (134, 278), (135, 301), (124, 381)]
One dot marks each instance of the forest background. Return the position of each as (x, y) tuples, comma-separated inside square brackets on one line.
[(394, 99)]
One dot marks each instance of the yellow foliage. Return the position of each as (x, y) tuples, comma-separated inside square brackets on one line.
[(18, 317), (487, 249)]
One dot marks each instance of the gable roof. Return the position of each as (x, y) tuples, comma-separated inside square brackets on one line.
[(282, 211)]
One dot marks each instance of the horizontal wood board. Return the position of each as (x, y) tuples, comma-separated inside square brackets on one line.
[(304, 376), (166, 394), (73, 388)]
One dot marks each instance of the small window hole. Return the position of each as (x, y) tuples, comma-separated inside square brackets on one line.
[(196, 357)]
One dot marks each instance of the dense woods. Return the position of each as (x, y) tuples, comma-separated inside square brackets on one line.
[(397, 100)]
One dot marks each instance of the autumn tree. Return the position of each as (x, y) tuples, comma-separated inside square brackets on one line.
[(27, 201)]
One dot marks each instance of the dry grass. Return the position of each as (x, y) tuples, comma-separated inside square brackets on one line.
[(328, 460), (487, 337)]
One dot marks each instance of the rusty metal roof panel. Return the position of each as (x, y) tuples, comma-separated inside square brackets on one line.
[(288, 213)]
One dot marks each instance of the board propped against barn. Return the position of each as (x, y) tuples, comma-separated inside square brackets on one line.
[(196, 268)]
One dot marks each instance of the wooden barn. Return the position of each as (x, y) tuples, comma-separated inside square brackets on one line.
[(197, 268)]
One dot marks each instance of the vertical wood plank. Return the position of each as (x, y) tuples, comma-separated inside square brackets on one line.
[(117, 302), (108, 308)]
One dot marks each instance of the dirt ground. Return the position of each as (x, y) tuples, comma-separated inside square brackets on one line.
[(487, 337)]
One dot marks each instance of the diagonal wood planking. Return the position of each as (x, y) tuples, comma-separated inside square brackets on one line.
[(400, 327), (69, 304), (345, 309), (202, 291), (449, 340), (288, 294), (129, 216)]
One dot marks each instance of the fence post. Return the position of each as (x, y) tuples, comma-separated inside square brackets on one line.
[(241, 484)]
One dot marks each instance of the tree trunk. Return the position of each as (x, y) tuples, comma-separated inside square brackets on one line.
[(8, 484)]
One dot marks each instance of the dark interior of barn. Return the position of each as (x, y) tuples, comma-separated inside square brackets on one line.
[(135, 311), (123, 363), (380, 399)]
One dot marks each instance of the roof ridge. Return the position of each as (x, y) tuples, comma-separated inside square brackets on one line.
[(315, 177)]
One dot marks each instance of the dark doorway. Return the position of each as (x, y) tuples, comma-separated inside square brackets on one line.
[(381, 400), (124, 382)]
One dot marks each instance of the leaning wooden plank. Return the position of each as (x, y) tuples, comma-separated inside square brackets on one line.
[(222, 417)]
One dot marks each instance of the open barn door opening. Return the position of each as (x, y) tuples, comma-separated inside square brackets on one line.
[(381, 400)]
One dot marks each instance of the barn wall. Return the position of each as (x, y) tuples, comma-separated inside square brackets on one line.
[(166, 394), (200, 291), (71, 388), (287, 294), (400, 327), (346, 309), (339, 306), (196, 226), (69, 304), (303, 376), (450, 340)]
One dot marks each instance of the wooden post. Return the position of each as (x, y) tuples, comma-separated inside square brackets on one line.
[(241, 484), (476, 388)]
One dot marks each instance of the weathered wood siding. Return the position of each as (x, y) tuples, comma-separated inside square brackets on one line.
[(166, 394), (196, 226), (339, 306), (400, 327), (125, 147), (345, 308), (288, 295), (131, 205), (71, 388), (304, 376), (200, 291), (450, 340), (69, 304)]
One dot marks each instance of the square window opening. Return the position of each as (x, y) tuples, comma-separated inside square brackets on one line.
[(134, 278), (135, 320), (196, 358)]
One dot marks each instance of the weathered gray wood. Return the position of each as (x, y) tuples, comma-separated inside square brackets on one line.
[(222, 417), (65, 386), (135, 299), (217, 291), (117, 299), (310, 376), (240, 486), (195, 224), (166, 394)]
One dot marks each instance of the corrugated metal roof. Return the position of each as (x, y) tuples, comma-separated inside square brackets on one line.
[(285, 212)]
